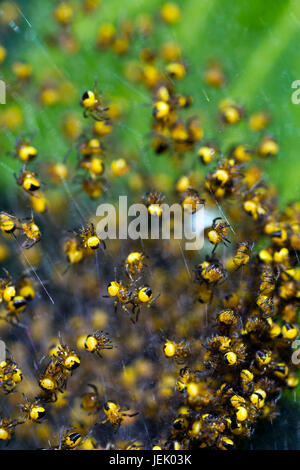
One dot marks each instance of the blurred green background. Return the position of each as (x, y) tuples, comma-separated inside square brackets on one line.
[(257, 42)]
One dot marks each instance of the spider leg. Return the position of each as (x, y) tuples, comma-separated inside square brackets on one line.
[(154, 299), (130, 415), (215, 219), (128, 313), (214, 249), (137, 314), (93, 387)]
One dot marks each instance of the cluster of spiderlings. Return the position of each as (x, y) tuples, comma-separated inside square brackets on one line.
[(132, 294), (29, 231), (54, 378), (10, 375), (212, 355), (15, 297), (246, 360), (83, 244)]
